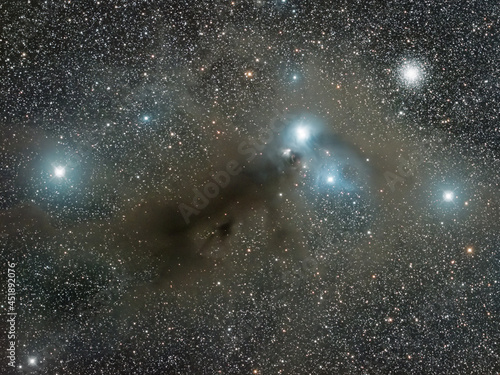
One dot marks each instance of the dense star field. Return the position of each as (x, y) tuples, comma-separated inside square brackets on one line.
[(250, 187)]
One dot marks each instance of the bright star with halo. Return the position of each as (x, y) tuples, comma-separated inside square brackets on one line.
[(59, 171), (302, 133), (448, 196)]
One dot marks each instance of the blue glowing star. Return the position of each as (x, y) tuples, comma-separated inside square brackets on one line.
[(448, 196), (302, 133), (59, 171)]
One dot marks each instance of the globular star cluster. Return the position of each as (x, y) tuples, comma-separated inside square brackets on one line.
[(251, 187)]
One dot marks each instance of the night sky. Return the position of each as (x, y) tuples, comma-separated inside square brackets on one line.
[(251, 187)]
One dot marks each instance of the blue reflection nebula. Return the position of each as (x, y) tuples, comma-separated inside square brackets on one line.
[(335, 180), (329, 162)]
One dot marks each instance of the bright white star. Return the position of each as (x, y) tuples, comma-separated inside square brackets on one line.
[(448, 196), (59, 171), (330, 179), (302, 133), (32, 361)]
